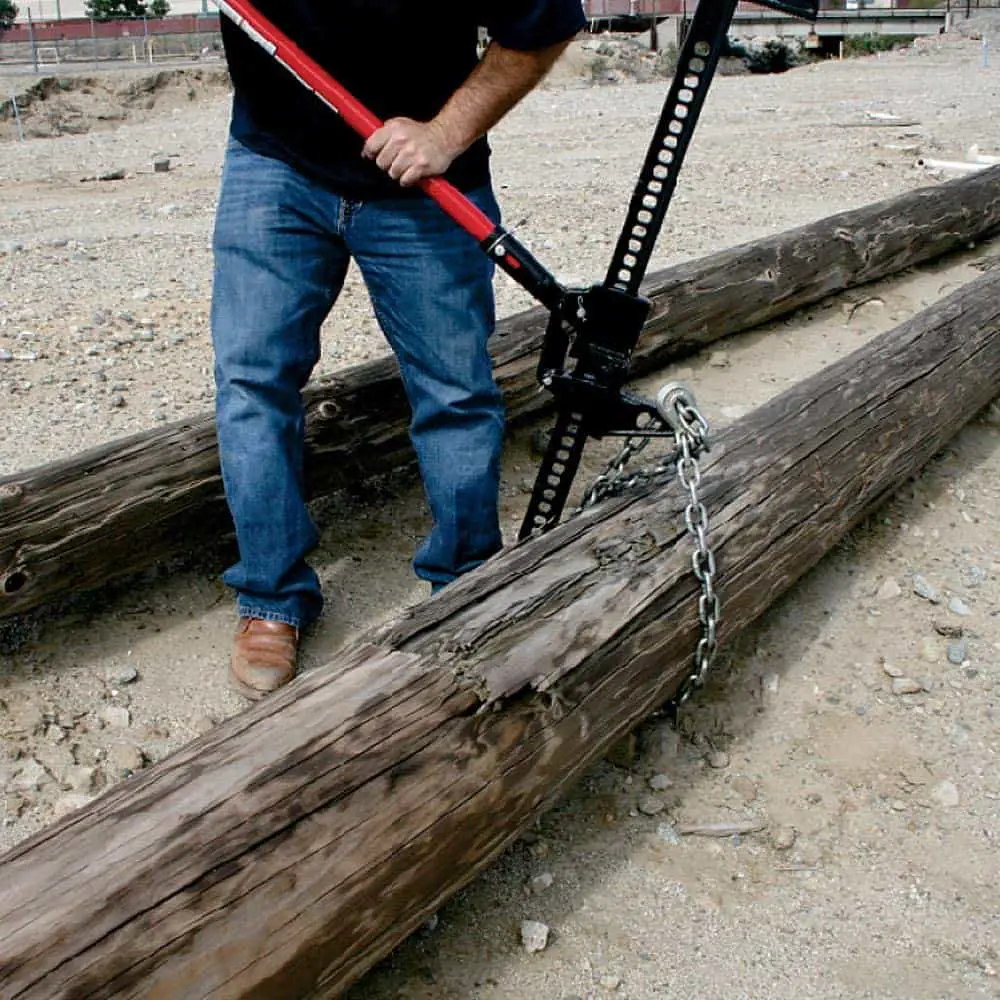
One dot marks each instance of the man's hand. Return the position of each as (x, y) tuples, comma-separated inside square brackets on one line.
[(408, 151)]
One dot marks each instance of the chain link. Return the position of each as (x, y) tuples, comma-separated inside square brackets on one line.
[(614, 482), (679, 411)]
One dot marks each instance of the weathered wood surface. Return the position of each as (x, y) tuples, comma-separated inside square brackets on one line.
[(78, 523), (284, 853)]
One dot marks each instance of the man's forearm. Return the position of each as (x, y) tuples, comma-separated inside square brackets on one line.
[(496, 85), (410, 151)]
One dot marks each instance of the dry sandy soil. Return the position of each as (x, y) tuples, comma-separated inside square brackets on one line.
[(876, 872)]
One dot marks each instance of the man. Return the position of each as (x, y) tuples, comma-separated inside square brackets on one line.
[(301, 196)]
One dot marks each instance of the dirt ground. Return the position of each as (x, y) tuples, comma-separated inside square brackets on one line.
[(875, 871)]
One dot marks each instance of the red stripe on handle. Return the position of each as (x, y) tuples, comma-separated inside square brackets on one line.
[(354, 113)]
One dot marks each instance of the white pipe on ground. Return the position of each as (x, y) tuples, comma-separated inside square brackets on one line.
[(955, 166)]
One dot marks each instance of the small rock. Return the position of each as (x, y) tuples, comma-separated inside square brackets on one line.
[(14, 805), (610, 982), (142, 294), (202, 724), (10, 248), (539, 850), (734, 412), (745, 788), (929, 650), (906, 685), (70, 803), (784, 838), (167, 209), (923, 589), (161, 165), (124, 760), (958, 607), (27, 719), (30, 777), (661, 745), (651, 805), (945, 794), (717, 759), (719, 359), (667, 832), (541, 882), (431, 924), (660, 782), (948, 630), (6, 355), (889, 590), (80, 778), (874, 304), (55, 734), (534, 936), (115, 716), (112, 175), (956, 652), (121, 676)]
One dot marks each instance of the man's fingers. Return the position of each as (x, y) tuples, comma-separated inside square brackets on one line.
[(394, 158), (393, 129), (376, 143), (411, 176)]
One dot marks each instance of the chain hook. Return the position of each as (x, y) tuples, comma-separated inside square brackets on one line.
[(676, 404)]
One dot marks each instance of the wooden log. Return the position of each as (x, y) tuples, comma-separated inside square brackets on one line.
[(284, 853), (76, 524)]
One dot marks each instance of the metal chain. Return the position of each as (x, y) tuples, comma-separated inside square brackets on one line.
[(613, 481), (678, 410)]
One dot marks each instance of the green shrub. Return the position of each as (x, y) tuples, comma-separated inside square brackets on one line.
[(868, 45), (775, 56)]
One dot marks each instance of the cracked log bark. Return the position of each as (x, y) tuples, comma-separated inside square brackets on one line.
[(78, 523), (283, 854)]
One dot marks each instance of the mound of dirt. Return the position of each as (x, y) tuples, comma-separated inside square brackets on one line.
[(74, 104), (978, 24)]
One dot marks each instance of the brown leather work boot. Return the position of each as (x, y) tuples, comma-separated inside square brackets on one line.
[(263, 657)]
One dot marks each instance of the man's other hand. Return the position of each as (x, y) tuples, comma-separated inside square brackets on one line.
[(408, 151)]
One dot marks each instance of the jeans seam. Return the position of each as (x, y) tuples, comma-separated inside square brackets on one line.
[(348, 209), (248, 611)]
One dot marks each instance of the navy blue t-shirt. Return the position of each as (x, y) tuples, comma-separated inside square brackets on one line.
[(398, 57)]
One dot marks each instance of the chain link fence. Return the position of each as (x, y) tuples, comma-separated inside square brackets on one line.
[(49, 46)]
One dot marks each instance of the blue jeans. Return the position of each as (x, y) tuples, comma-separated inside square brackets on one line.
[(282, 247)]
